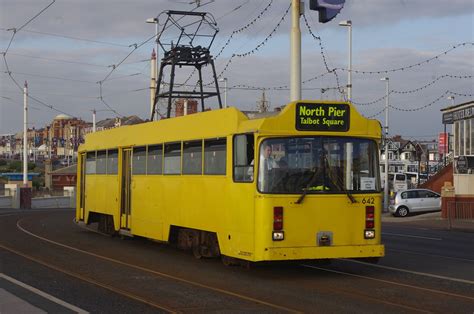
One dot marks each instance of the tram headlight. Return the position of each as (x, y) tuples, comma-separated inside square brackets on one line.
[(369, 234), (278, 235)]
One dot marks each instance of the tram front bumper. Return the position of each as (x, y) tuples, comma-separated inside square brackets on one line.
[(326, 252)]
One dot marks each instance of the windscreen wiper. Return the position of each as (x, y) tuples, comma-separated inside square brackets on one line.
[(302, 196), (309, 188), (341, 187)]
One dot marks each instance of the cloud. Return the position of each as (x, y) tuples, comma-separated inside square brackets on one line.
[(63, 71)]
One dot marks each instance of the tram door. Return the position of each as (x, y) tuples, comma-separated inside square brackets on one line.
[(125, 185), (82, 200)]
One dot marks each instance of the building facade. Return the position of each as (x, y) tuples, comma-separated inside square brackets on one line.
[(461, 118)]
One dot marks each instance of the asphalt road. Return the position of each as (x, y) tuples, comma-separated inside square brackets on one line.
[(425, 270)]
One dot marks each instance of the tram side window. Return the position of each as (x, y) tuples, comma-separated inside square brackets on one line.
[(215, 156), (139, 160), (112, 161), (90, 163), (154, 159), (243, 158), (192, 157), (172, 164), (101, 162)]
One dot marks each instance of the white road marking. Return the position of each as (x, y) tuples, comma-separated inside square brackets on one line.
[(397, 283), (413, 272), (43, 294), (411, 236), (434, 255)]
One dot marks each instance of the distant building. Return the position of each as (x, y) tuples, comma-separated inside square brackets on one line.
[(411, 156), (114, 123), (63, 177), (192, 107), (60, 138), (7, 144)]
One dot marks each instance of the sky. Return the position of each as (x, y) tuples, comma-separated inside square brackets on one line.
[(78, 56)]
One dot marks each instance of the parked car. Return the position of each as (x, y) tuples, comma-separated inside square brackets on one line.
[(414, 201)]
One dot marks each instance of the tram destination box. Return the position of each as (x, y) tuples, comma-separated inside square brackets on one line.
[(322, 117)]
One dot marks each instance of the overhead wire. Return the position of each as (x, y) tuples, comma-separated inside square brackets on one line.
[(398, 108), (59, 60), (231, 36), (426, 61), (9, 72), (323, 55), (417, 89), (77, 38), (251, 51)]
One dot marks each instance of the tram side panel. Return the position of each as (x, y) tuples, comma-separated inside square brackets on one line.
[(212, 203), (101, 196), (147, 206)]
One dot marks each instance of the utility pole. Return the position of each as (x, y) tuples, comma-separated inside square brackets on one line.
[(154, 73), (153, 81), (93, 120), (25, 135), (386, 186), (348, 24), (295, 53)]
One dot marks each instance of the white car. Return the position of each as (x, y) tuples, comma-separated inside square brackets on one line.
[(414, 201)]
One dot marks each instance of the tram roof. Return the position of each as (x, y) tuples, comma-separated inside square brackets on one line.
[(219, 123)]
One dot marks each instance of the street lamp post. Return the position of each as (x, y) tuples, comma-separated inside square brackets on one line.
[(386, 79), (25, 135), (452, 100), (295, 51), (446, 139), (154, 20), (224, 79), (154, 63), (348, 23)]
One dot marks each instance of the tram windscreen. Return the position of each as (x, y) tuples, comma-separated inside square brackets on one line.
[(318, 165)]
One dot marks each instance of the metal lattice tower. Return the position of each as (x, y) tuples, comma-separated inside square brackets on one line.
[(190, 48)]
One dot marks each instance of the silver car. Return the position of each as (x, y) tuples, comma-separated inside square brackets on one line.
[(414, 201)]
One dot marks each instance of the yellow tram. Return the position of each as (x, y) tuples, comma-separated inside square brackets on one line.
[(301, 184)]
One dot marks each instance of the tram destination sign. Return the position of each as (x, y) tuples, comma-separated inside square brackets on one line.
[(322, 117)]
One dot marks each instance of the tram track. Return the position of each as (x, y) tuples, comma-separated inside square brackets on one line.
[(136, 267), (88, 280), (431, 255), (438, 292), (336, 290)]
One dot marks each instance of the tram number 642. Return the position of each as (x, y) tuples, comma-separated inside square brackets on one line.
[(368, 200)]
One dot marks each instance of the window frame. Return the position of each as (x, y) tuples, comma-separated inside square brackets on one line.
[(170, 144), (252, 162), (160, 146), (139, 149), (95, 162), (190, 145), (101, 153), (109, 151), (205, 145)]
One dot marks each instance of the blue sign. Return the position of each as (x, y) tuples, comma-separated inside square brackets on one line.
[(328, 9)]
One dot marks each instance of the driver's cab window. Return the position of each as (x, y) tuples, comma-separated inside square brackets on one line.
[(243, 157)]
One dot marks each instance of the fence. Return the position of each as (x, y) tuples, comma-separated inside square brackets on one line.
[(51, 202), (6, 201), (64, 199), (460, 214)]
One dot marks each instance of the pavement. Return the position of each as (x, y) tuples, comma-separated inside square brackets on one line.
[(431, 220), (18, 297)]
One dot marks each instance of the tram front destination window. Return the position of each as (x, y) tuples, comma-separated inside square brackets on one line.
[(295, 165)]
